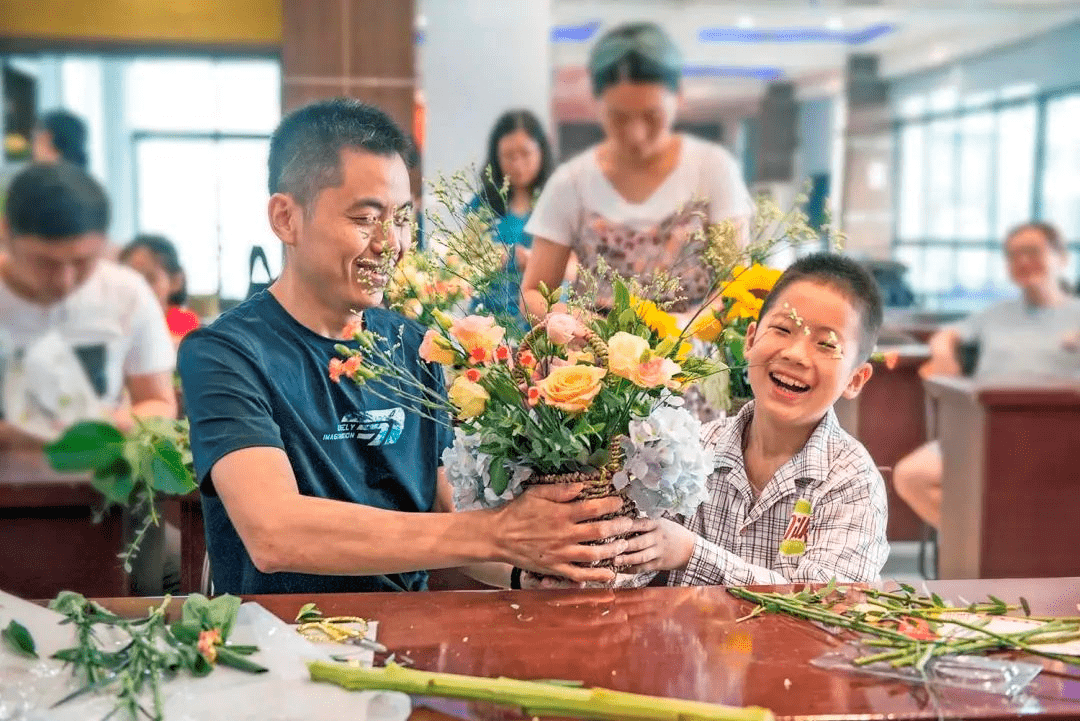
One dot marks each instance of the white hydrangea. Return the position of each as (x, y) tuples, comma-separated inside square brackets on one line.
[(468, 471), (666, 466)]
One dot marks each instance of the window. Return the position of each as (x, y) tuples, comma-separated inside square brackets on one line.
[(201, 135), (967, 174)]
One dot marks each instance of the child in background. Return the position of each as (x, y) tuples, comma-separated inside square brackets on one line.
[(518, 154), (155, 258), (793, 498)]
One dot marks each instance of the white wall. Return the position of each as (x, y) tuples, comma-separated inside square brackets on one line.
[(477, 59)]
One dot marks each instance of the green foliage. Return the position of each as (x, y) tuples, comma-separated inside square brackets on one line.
[(19, 640), (155, 651), (129, 470)]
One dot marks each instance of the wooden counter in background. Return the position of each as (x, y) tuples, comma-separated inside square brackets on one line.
[(889, 418), (49, 540), (1011, 495)]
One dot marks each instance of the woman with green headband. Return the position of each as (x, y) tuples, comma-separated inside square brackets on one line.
[(637, 198)]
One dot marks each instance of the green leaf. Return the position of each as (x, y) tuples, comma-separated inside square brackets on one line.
[(194, 612), (19, 640), (500, 477), (628, 318), (117, 489), (622, 295), (936, 599), (907, 588), (221, 613), (170, 475), (308, 612), (1024, 605), (185, 633), (87, 446), (227, 657)]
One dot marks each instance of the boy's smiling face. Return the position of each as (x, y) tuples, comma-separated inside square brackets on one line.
[(804, 354)]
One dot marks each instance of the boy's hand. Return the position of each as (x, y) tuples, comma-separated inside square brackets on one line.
[(663, 546)]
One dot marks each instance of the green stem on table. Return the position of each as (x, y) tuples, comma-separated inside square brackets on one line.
[(540, 699)]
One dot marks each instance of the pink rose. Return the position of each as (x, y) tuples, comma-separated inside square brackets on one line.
[(562, 327)]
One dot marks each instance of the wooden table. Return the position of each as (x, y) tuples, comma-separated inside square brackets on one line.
[(50, 542), (676, 642), (1011, 484), (889, 418)]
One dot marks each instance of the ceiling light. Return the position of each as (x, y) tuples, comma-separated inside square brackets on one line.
[(835, 23), (745, 22)]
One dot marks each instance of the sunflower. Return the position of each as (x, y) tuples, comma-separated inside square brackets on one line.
[(749, 288), (707, 326), (662, 323)]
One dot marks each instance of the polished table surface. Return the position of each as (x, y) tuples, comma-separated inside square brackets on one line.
[(676, 642)]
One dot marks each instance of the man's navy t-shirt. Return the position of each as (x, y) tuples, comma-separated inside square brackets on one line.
[(257, 377)]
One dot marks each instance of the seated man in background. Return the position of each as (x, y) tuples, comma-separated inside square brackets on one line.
[(1027, 337), (59, 298), (77, 332)]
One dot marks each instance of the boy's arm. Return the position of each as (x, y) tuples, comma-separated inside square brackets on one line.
[(846, 541)]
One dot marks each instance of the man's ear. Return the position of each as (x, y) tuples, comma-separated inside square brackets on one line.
[(286, 217), (751, 332), (858, 379)]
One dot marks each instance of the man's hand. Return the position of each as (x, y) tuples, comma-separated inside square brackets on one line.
[(542, 530), (662, 546), (16, 439)]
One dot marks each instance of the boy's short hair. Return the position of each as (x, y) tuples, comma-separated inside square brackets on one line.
[(305, 150), (847, 277), (56, 201)]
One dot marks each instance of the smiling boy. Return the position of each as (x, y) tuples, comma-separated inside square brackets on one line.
[(793, 497)]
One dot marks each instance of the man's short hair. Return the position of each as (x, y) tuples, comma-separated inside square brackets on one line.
[(56, 201), (305, 150), (848, 278), (68, 134)]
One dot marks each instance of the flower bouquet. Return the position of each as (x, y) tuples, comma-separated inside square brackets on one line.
[(590, 395), (594, 401), (426, 281)]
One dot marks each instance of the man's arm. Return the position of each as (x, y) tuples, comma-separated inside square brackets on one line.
[(152, 394), (944, 358), (16, 439), (285, 531)]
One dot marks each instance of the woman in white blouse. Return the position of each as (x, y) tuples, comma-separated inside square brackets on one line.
[(637, 198)]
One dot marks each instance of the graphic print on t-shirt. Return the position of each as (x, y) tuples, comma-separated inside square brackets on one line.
[(673, 246), (375, 428)]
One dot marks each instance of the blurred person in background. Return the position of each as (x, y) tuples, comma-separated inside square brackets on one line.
[(519, 156), (71, 319), (156, 259), (1034, 335), (60, 136), (637, 198)]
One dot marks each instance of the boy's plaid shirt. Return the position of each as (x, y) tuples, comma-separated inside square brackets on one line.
[(739, 538)]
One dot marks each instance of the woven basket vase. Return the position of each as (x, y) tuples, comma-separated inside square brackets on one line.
[(598, 482)]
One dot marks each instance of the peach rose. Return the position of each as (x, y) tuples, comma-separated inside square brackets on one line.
[(477, 331), (571, 388), (562, 327), (625, 352), (436, 349), (655, 372), (470, 398)]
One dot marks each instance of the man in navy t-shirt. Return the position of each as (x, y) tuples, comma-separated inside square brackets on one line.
[(310, 486)]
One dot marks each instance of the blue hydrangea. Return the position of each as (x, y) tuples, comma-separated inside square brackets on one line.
[(468, 471), (666, 466)]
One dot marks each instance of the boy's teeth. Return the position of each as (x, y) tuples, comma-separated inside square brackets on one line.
[(789, 381)]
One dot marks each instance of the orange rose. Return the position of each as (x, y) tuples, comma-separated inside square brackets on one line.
[(571, 388)]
